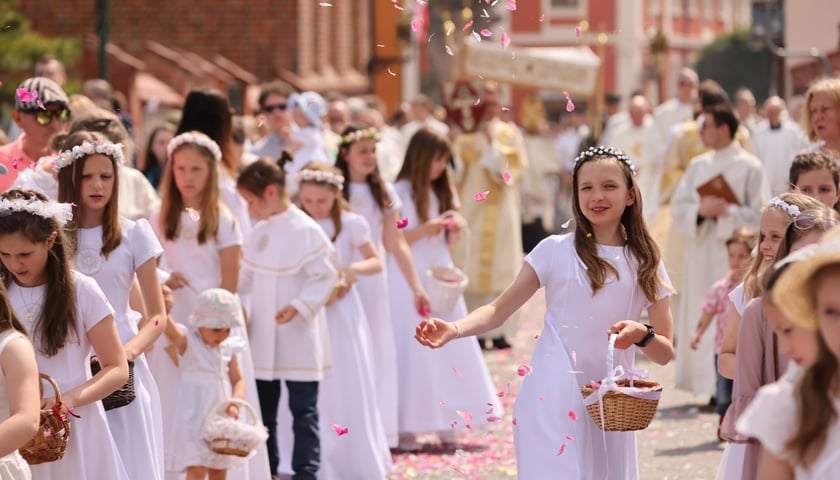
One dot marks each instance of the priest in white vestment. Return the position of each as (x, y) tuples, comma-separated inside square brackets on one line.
[(776, 142), (706, 222)]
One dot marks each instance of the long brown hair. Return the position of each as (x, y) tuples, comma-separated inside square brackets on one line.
[(340, 204), (424, 147), (70, 190), (57, 323), (639, 241), (257, 176), (753, 285), (8, 313), (172, 203), (373, 180)]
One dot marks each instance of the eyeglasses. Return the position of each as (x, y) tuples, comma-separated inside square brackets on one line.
[(271, 108), (806, 221), (45, 117)]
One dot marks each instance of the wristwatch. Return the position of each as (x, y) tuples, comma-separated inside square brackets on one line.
[(648, 338)]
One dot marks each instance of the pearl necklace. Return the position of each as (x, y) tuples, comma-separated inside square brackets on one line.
[(31, 307)]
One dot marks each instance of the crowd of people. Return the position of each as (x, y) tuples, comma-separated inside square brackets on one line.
[(312, 254)]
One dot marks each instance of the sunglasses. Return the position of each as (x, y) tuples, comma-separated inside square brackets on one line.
[(806, 221), (45, 117), (271, 108)]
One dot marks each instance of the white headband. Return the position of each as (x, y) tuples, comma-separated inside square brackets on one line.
[(195, 138), (307, 175), (782, 205), (61, 212), (67, 157)]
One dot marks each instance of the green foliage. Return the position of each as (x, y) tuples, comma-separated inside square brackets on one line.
[(20, 48), (734, 60)]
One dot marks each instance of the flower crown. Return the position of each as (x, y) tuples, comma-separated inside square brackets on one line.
[(593, 152), (67, 157), (782, 205), (363, 134), (333, 179), (195, 138), (61, 212)]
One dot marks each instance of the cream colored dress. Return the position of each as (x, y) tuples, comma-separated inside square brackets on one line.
[(12, 466)]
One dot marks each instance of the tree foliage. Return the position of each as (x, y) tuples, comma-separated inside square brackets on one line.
[(734, 60)]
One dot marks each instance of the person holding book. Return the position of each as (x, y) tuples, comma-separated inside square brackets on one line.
[(722, 189)]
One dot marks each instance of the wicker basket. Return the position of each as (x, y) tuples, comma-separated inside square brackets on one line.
[(50, 442), (121, 396), (446, 284), (228, 436), (623, 407)]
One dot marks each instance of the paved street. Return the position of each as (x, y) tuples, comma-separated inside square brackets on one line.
[(679, 444)]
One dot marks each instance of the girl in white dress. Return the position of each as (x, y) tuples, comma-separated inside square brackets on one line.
[(434, 386), (803, 439), (19, 397), (112, 250), (377, 201), (210, 374), (76, 320), (288, 271), (347, 397), (201, 241), (597, 281)]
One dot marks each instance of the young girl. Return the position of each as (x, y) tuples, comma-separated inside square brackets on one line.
[(716, 306), (377, 201), (815, 174), (611, 267), (426, 377), (288, 273), (758, 361), (68, 316), (152, 163), (113, 250), (19, 397), (347, 396), (803, 440), (210, 374)]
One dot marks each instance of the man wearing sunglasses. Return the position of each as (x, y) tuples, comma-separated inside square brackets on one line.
[(41, 111), (274, 114)]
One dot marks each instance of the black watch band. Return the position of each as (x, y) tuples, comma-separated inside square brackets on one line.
[(648, 338)]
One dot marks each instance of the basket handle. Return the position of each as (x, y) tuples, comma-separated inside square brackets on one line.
[(242, 403), (54, 386)]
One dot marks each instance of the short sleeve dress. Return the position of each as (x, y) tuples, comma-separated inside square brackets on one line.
[(12, 466)]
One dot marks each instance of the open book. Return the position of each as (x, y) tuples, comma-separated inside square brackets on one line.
[(719, 187)]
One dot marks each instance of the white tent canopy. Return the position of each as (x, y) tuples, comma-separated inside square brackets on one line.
[(574, 69)]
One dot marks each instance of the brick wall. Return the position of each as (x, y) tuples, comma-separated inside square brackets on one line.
[(259, 35)]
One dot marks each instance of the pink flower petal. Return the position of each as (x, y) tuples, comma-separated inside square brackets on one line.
[(40, 104), (493, 418), (505, 40), (572, 415), (514, 421), (467, 26), (569, 437), (489, 411), (562, 449), (481, 196), (442, 403), (424, 312), (417, 24), (486, 32), (542, 397), (570, 107), (476, 36), (577, 32), (465, 415), (339, 430), (506, 177), (448, 50), (542, 18), (452, 425), (500, 393), (523, 370), (511, 5), (262, 122), (26, 95), (457, 372), (402, 223), (15, 163)]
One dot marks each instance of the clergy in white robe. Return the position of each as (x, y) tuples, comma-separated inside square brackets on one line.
[(706, 223), (776, 143)]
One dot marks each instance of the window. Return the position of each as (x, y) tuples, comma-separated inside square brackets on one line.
[(564, 3)]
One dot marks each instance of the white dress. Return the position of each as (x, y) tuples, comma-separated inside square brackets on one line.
[(137, 427), (91, 452), (205, 382), (201, 265), (347, 396), (434, 384), (372, 289), (778, 401), (12, 466), (572, 351)]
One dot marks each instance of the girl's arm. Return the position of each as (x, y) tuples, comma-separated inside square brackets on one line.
[(22, 384), (154, 322), (395, 243), (434, 332), (106, 342), (660, 349), (230, 267), (702, 325), (726, 357), (237, 384), (771, 467), (749, 362), (176, 336), (371, 264), (432, 227)]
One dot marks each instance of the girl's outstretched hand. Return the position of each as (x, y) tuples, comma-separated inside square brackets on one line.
[(629, 332), (434, 332), (422, 304)]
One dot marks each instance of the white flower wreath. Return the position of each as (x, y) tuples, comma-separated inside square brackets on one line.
[(782, 205), (61, 212), (67, 157), (307, 175), (195, 138)]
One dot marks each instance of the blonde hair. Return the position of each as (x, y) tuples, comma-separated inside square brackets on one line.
[(829, 86)]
